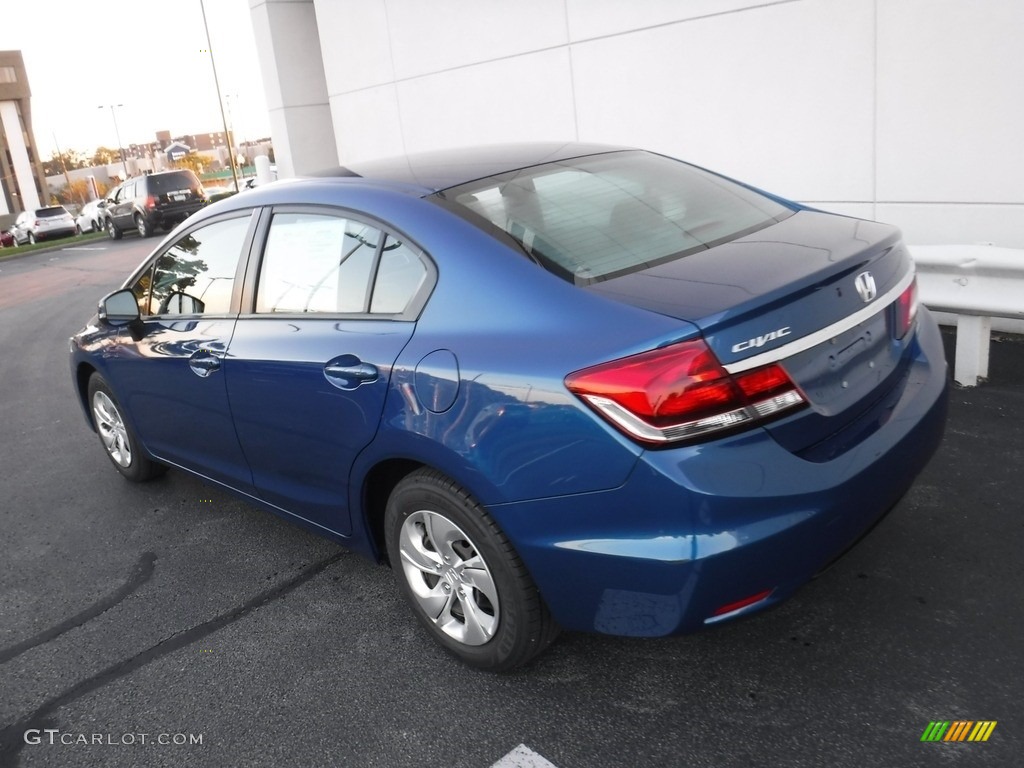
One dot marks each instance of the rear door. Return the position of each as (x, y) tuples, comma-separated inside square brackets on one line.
[(334, 302)]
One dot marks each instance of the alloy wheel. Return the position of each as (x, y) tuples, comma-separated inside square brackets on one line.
[(449, 578), (112, 430)]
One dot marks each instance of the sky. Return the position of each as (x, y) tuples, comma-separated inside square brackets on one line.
[(149, 56)]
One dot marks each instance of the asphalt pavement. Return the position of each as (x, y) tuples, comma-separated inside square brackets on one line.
[(170, 624)]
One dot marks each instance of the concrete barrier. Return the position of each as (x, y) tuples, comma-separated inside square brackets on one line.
[(973, 284)]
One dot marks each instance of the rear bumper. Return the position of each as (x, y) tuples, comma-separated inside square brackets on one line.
[(168, 216), (55, 232), (696, 529)]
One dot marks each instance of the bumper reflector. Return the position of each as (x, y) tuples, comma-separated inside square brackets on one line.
[(730, 608)]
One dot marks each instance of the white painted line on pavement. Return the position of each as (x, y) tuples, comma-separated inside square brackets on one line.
[(523, 757), (85, 248)]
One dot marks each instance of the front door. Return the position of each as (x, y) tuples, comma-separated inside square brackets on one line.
[(177, 395), (120, 208)]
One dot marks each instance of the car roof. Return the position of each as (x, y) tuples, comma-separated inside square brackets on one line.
[(442, 169)]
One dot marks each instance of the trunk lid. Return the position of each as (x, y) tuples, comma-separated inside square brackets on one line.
[(789, 294)]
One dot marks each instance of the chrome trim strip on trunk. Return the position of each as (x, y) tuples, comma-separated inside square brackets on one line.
[(812, 340)]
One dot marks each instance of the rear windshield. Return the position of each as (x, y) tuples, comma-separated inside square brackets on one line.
[(595, 218), (49, 213), (160, 184)]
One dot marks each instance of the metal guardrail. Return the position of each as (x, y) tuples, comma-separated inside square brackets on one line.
[(975, 283)]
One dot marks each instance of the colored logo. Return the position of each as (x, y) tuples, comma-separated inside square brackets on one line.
[(958, 730)]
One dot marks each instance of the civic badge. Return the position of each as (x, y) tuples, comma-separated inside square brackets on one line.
[(865, 285)]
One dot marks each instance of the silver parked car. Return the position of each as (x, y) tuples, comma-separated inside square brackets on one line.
[(43, 224)]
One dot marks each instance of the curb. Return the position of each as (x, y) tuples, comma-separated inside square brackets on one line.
[(12, 253)]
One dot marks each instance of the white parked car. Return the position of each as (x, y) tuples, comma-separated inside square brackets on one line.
[(43, 224), (89, 218)]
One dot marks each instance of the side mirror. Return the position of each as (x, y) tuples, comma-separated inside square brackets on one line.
[(119, 308), (101, 204), (178, 303)]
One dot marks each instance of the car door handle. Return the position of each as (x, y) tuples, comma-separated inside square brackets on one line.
[(203, 363), (348, 372)]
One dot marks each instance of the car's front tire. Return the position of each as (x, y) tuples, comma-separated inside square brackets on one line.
[(112, 231), (462, 577), (117, 436)]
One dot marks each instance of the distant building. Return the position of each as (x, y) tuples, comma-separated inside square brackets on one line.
[(204, 142), (199, 142), (21, 170), (177, 150)]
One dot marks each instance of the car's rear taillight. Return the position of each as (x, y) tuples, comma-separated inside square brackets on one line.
[(906, 310), (151, 202), (681, 392)]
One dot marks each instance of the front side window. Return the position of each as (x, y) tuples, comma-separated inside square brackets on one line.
[(602, 216), (196, 275)]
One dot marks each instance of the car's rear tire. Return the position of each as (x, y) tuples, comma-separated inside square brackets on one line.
[(112, 231), (462, 577), (144, 228), (117, 436), (31, 238)]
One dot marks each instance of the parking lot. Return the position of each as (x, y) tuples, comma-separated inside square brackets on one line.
[(174, 610)]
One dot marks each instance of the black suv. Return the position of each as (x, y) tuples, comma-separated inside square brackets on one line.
[(157, 200)]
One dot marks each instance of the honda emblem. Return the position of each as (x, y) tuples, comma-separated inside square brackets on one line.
[(865, 285)]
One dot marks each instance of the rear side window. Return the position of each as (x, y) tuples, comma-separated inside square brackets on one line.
[(323, 263), (399, 277), (49, 213), (594, 218), (161, 184)]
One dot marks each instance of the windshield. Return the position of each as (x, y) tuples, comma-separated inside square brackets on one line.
[(602, 216)]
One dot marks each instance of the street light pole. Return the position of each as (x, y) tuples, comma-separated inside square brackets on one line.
[(220, 100), (113, 114)]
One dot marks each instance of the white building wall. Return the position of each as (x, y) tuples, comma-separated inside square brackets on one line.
[(292, 64), (909, 111)]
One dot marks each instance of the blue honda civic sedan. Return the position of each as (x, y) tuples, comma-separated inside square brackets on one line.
[(554, 386)]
